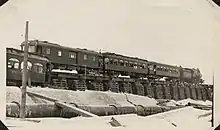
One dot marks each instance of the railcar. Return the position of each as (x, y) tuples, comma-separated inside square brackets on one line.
[(190, 75), (91, 62), (163, 70), (37, 68), (124, 65), (186, 74), (66, 58)]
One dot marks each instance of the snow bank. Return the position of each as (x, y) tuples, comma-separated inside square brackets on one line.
[(141, 100), (90, 98), (172, 103), (13, 94), (186, 101)]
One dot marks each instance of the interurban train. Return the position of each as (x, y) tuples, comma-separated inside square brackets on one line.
[(47, 60)]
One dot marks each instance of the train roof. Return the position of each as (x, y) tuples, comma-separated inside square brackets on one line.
[(30, 55), (115, 55), (187, 68), (49, 44), (163, 64)]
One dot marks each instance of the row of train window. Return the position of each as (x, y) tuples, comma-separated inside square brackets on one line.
[(135, 65), (15, 64), (72, 55), (124, 63), (161, 68)]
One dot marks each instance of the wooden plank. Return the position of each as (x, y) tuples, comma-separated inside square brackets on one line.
[(75, 109)]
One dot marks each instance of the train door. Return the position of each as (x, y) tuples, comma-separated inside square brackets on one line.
[(39, 50), (48, 69), (155, 69), (106, 62), (100, 62), (152, 69)]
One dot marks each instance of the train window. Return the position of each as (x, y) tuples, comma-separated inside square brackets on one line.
[(135, 65), (140, 66), (165, 69), (31, 49), (150, 67), (39, 50), (131, 64), (111, 61), (72, 55), (13, 63), (126, 63), (29, 65), (16, 65), (121, 63), (59, 53), (160, 68), (38, 68), (85, 57), (106, 60), (177, 71), (143, 66), (116, 62), (48, 51), (93, 58), (10, 65)]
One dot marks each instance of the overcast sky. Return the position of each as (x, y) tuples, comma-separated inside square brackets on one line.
[(177, 32)]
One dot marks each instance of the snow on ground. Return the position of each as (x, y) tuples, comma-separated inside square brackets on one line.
[(181, 119), (172, 103), (186, 101), (141, 100), (82, 97), (93, 98), (14, 94)]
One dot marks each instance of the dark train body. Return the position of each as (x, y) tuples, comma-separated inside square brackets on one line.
[(44, 57), (37, 67)]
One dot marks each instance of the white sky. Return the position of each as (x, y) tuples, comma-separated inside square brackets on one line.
[(178, 32)]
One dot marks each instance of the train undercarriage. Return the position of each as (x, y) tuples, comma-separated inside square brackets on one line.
[(83, 78)]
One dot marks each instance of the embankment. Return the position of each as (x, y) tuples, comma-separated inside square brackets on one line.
[(99, 103)]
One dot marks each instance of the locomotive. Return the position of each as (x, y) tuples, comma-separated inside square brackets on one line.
[(47, 61)]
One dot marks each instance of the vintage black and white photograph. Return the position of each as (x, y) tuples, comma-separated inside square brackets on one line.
[(106, 64)]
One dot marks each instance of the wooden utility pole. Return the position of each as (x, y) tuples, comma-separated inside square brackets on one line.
[(213, 123), (24, 75)]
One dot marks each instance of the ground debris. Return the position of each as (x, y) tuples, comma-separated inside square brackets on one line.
[(114, 122)]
